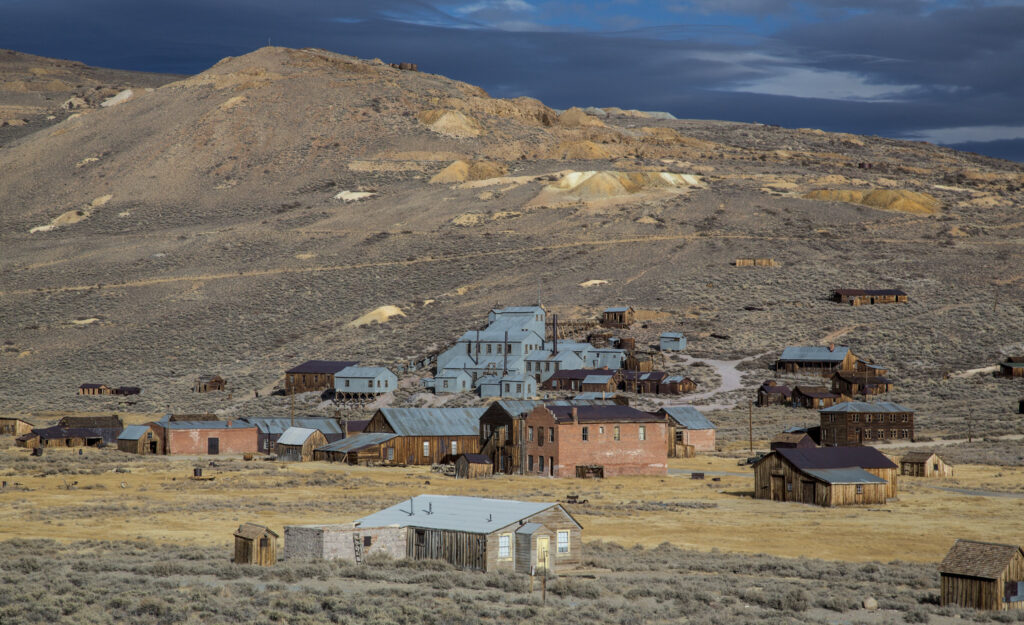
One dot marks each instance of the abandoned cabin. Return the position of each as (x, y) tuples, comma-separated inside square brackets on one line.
[(297, 444), (687, 427), (139, 439), (271, 429), (792, 440), (469, 533), (772, 393), (983, 576), (1012, 367), (95, 389), (676, 385), (573, 380), (851, 383), (255, 544), (60, 436), (314, 375), (671, 342), (594, 441), (472, 466), (813, 397), (639, 362), (857, 422), (924, 464), (359, 448), (422, 436), (828, 476), (364, 381), (823, 361), (208, 384), (13, 426), (618, 317), (860, 297), (206, 437)]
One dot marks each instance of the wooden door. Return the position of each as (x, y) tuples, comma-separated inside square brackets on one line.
[(808, 494), (543, 553), (213, 446), (778, 488)]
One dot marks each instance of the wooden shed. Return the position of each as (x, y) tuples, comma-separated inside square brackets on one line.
[(1012, 367), (813, 397), (139, 439), (984, 576), (861, 297), (924, 464), (255, 544), (618, 317), (829, 476), (792, 440), (13, 426), (469, 466), (297, 444), (94, 389), (208, 384)]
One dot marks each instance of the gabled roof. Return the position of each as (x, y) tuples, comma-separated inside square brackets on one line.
[(618, 308), (295, 436), (836, 458), (253, 531), (358, 441), (133, 432), (610, 413), (675, 378), (781, 389), (863, 406), (88, 385), (917, 457), (322, 366), (643, 376), (597, 379), (362, 372), (817, 392), (790, 437), (356, 425), (972, 558), (109, 435), (854, 292), (108, 421), (277, 425), (475, 515), (814, 354), (434, 421), (688, 417), (860, 378), (846, 475)]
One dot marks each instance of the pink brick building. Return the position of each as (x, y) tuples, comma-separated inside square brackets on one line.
[(206, 437)]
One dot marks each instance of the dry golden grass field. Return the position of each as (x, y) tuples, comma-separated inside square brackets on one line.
[(69, 497)]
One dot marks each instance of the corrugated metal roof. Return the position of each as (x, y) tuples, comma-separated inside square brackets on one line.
[(358, 441), (295, 436), (322, 366), (973, 558), (599, 396), (579, 374), (361, 372), (475, 515), (917, 456), (277, 425), (133, 432), (836, 458), (434, 421), (597, 379), (617, 308), (845, 475), (814, 354), (688, 417), (205, 425), (671, 335), (863, 406), (519, 310)]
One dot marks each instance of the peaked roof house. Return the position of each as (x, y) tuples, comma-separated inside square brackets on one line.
[(823, 361), (271, 429), (618, 317), (1012, 367), (826, 476), (772, 393), (924, 464), (365, 381), (984, 576), (297, 444), (688, 426), (139, 439), (672, 342)]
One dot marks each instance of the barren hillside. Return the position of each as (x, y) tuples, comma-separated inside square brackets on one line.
[(237, 221)]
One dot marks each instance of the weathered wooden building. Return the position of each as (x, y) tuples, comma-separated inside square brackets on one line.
[(636, 361), (599, 383), (687, 426), (1012, 367), (314, 375), (792, 440), (924, 464), (297, 444), (58, 436), (851, 384), (100, 421), (859, 422), (983, 576), (618, 317), (208, 384), (676, 385), (831, 476), (822, 361), (94, 389), (139, 439), (421, 435), (813, 397), (471, 466), (255, 544), (359, 448), (860, 297), (572, 379), (643, 382), (772, 393), (469, 533), (672, 342), (13, 426), (270, 429)]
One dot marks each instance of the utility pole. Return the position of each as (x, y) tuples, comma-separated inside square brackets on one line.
[(292, 396), (970, 425), (750, 423)]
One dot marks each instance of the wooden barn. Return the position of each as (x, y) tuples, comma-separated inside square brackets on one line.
[(772, 393), (792, 440), (676, 385), (139, 439), (470, 466), (983, 576), (850, 383), (828, 476), (13, 426), (618, 317), (255, 544), (823, 361), (639, 362), (812, 397), (642, 382), (924, 464), (297, 444), (208, 384), (59, 436), (270, 429), (861, 297), (1012, 367), (470, 533)]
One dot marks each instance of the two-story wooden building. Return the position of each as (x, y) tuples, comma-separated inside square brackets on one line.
[(852, 383), (314, 375), (858, 423)]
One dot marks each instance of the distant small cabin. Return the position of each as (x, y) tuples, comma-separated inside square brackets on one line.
[(792, 440), (255, 544), (314, 375), (755, 262), (813, 397), (208, 384), (676, 385), (470, 466), (823, 361), (139, 439), (671, 342), (639, 362), (860, 297), (453, 382), (95, 389), (983, 576), (924, 464), (772, 393), (13, 426), (850, 383), (297, 444), (618, 317), (1012, 367)]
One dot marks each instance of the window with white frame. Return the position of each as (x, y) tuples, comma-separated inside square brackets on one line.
[(643, 432), (505, 546), (426, 448), (563, 541), (455, 447)]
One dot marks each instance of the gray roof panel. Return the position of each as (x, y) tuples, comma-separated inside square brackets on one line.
[(133, 432), (295, 436), (475, 515), (358, 441), (846, 475), (688, 417), (863, 406), (814, 354), (434, 421)]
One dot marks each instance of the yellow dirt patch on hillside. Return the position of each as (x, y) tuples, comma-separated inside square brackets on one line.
[(377, 315), (600, 185), (463, 171), (577, 118), (899, 200), (580, 151), (451, 123)]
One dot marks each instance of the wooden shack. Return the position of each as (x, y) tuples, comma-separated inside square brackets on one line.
[(676, 385), (792, 440), (618, 317), (139, 439), (1012, 367), (13, 426), (813, 397), (208, 384), (94, 389), (755, 262), (810, 360), (313, 375), (255, 544), (470, 466), (298, 444), (829, 476), (924, 464), (772, 393), (983, 576), (639, 362), (861, 297)]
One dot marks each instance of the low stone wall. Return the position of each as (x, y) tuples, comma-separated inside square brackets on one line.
[(333, 542)]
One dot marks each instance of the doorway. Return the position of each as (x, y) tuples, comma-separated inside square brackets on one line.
[(778, 488), (213, 446), (152, 447), (808, 494), (544, 554)]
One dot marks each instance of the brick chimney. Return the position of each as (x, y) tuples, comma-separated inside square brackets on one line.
[(575, 414), (229, 422), (831, 347)]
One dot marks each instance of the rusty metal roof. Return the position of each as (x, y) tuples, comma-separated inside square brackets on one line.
[(972, 558)]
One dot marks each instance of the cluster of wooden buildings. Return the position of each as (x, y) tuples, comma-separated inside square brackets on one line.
[(71, 432)]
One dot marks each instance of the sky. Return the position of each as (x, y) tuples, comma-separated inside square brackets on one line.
[(946, 71)]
